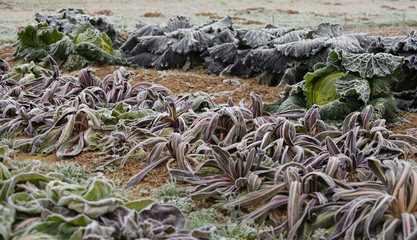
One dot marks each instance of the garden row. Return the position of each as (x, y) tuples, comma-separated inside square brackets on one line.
[(352, 181)]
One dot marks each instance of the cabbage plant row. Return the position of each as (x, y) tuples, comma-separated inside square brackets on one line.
[(276, 56), (291, 169)]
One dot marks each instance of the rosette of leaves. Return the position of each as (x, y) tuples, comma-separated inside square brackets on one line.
[(117, 86), (360, 137), (84, 46), (405, 46), (179, 151), (384, 208), (52, 206), (346, 83), (65, 21), (34, 42), (71, 126), (231, 174), (16, 119), (294, 193), (87, 46), (24, 73), (10, 88)]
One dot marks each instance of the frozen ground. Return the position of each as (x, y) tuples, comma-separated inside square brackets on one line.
[(355, 15)]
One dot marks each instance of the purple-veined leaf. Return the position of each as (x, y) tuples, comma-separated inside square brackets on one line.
[(293, 208), (276, 201), (376, 214), (256, 197), (409, 226)]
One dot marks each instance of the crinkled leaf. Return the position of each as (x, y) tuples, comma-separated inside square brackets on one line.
[(369, 65), (7, 218), (349, 85)]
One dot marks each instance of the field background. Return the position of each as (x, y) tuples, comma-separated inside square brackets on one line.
[(377, 17)]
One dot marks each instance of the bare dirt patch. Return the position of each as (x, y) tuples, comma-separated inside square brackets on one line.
[(252, 22), (195, 80), (408, 125), (153, 15), (209, 15), (255, 9), (288, 11), (388, 7), (105, 12), (6, 53)]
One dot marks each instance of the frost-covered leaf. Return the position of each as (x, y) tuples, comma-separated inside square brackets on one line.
[(268, 59), (216, 27), (303, 48), (191, 41), (292, 36), (369, 65), (339, 108), (213, 66), (167, 214), (7, 218), (173, 24), (225, 53), (168, 60), (34, 41), (291, 103), (143, 59), (92, 209), (54, 230), (352, 43), (348, 85), (326, 30), (386, 108), (278, 32), (155, 44), (254, 38), (95, 231)]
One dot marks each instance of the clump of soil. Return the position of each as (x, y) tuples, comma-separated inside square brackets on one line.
[(6, 53), (389, 7), (257, 9), (153, 15), (251, 22), (208, 14), (408, 125), (289, 11), (103, 12)]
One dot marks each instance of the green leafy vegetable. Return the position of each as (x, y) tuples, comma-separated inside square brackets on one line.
[(346, 83)]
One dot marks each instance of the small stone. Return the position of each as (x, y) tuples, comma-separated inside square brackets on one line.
[(232, 81)]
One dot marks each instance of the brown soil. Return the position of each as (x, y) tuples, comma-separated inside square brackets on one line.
[(209, 14), (408, 125), (180, 82), (153, 15), (388, 7), (6, 53), (257, 9), (288, 11), (251, 22), (103, 12)]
